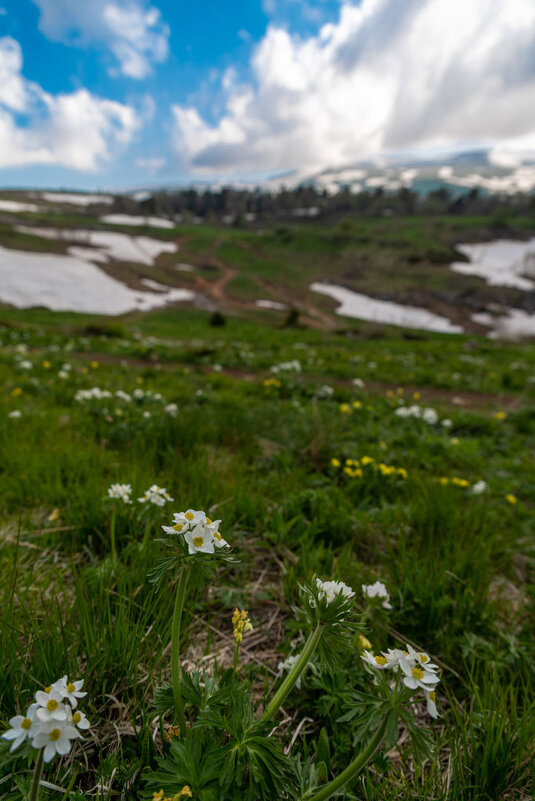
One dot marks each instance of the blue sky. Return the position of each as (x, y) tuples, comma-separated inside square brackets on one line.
[(124, 93)]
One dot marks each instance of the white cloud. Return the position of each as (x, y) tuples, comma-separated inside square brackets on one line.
[(133, 32), (387, 76), (75, 130), (152, 164)]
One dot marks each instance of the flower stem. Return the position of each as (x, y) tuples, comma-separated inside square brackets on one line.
[(112, 534), (288, 683), (37, 771), (175, 649), (355, 766), (236, 657), (146, 536)]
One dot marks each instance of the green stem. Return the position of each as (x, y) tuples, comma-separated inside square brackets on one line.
[(175, 649), (354, 768), (112, 534), (236, 657), (37, 771), (288, 683), (146, 536)]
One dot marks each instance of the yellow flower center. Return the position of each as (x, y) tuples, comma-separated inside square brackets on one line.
[(76, 718), (218, 536), (55, 734), (47, 689), (178, 527), (26, 724), (381, 660), (189, 515), (70, 687), (208, 521), (198, 541), (433, 696), (417, 673), (52, 704), (423, 658)]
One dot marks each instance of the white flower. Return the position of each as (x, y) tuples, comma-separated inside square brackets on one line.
[(156, 495), (332, 589), (200, 532), (25, 365), (51, 707), (377, 590), (447, 423), (147, 414), (22, 727), (55, 737), (78, 719), (358, 382), (123, 396), (430, 416), (63, 374), (430, 700), (380, 661), (479, 487), (121, 491), (200, 539), (15, 414), (293, 366), (70, 690), (138, 393), (171, 409), (416, 675)]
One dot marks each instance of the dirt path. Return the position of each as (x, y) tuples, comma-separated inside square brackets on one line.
[(454, 398)]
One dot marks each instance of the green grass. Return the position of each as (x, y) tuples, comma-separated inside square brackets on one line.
[(459, 567)]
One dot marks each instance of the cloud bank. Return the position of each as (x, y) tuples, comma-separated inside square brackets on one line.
[(387, 76), (75, 129), (132, 31)]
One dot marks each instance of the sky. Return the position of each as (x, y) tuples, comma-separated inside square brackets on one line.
[(116, 94)]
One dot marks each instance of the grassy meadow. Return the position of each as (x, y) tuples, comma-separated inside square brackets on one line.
[(293, 437)]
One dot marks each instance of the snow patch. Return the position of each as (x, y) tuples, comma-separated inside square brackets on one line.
[(68, 283), (131, 219), (501, 263), (363, 307)]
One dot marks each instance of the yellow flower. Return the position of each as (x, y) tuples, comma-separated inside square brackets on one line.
[(335, 462), (460, 482), (402, 472), (157, 796), (416, 396), (241, 624), (172, 733), (501, 415), (366, 460), (444, 481), (357, 405), (53, 516), (94, 365), (364, 643), (186, 791), (510, 498), (345, 408), (46, 364), (400, 390), (271, 382), (389, 393), (16, 391)]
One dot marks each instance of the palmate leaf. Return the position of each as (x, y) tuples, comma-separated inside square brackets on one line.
[(191, 762)]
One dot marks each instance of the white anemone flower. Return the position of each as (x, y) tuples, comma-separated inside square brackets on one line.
[(200, 539), (16, 413), (416, 675), (430, 702), (70, 690), (379, 661), (50, 706), (78, 719), (171, 409), (479, 487), (55, 737), (121, 492), (332, 589), (377, 590), (156, 495), (22, 727), (286, 665)]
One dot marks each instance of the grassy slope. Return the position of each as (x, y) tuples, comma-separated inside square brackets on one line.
[(459, 567)]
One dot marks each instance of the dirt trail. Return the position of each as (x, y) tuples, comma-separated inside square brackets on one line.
[(454, 398)]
